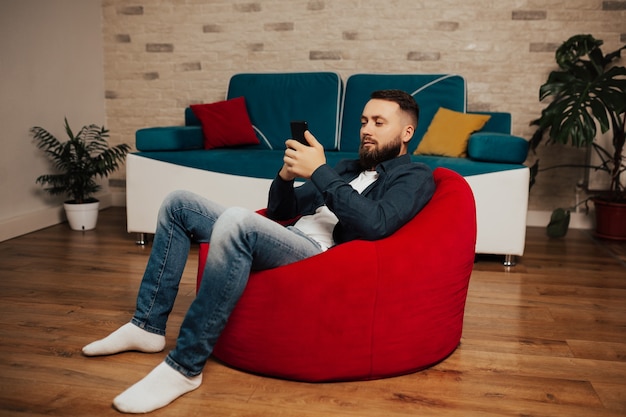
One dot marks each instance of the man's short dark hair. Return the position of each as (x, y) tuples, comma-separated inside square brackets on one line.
[(405, 101)]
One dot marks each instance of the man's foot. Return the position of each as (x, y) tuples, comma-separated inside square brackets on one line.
[(157, 389), (127, 337)]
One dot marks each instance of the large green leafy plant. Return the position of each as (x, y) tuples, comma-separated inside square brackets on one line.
[(79, 161), (588, 91)]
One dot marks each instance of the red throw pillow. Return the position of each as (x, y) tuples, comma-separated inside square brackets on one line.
[(225, 123)]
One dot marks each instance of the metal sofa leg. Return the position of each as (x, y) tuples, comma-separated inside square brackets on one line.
[(509, 260), (142, 239)]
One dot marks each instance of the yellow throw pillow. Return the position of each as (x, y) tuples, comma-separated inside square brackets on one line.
[(449, 133)]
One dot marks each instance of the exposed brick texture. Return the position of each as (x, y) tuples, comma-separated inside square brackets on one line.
[(130, 10), (325, 55), (529, 14), (122, 38), (543, 47), (423, 56), (162, 55), (278, 27), (159, 47), (614, 5)]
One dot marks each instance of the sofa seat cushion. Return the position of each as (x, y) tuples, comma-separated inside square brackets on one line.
[(464, 166), (244, 161), (265, 163)]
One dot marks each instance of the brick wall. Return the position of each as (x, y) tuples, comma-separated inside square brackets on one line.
[(162, 55)]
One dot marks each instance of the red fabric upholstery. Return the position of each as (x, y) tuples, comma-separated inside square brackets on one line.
[(363, 309)]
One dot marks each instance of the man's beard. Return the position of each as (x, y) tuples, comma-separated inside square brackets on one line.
[(368, 159)]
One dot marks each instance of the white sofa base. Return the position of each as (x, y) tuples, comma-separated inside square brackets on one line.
[(149, 181), (501, 199), (501, 209)]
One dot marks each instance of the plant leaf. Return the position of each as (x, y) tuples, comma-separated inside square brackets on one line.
[(559, 223)]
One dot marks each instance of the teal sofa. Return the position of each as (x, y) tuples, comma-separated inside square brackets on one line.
[(174, 157)]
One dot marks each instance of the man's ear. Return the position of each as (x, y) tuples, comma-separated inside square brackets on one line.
[(407, 133)]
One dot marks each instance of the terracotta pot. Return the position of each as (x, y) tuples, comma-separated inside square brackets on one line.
[(610, 220)]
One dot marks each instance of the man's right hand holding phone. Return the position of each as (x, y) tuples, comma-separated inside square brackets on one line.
[(302, 160)]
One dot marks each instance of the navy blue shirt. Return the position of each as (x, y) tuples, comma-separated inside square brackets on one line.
[(402, 189)]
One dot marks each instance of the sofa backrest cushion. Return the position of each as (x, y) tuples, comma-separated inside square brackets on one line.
[(430, 91), (275, 99)]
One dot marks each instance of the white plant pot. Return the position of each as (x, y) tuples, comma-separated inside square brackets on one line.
[(82, 216)]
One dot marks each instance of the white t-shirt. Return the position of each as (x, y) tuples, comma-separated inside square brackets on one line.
[(320, 225)]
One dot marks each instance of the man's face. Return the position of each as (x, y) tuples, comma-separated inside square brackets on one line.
[(383, 133)]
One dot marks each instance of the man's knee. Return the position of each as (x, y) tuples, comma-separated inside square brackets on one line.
[(175, 201), (238, 216), (235, 221), (174, 198)]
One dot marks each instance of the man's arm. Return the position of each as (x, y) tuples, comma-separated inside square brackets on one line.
[(299, 161)]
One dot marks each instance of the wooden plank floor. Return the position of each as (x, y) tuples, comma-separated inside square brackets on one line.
[(547, 338)]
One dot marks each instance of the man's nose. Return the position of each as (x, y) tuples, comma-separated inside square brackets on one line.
[(366, 129)]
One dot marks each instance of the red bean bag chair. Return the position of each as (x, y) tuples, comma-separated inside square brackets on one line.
[(363, 309)]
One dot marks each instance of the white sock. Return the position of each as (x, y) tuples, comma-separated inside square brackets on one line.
[(157, 389), (127, 337)]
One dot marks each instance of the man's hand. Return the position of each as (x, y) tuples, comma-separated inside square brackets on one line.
[(302, 160)]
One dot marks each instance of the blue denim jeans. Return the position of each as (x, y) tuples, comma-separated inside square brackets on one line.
[(241, 241)]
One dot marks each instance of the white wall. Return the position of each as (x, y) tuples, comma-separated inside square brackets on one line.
[(51, 66)]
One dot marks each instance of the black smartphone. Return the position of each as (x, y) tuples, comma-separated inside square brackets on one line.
[(298, 127)]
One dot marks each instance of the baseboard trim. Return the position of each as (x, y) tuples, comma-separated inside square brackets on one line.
[(40, 219), (118, 199), (30, 222), (540, 218)]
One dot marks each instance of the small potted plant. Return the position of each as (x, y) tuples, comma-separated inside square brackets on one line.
[(79, 161), (588, 91)]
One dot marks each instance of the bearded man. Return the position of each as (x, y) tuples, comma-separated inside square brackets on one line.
[(369, 198)]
